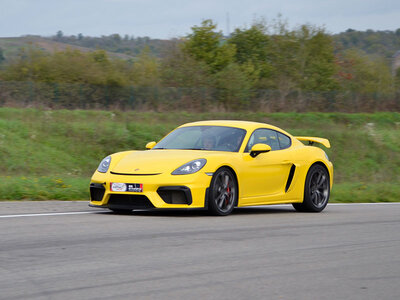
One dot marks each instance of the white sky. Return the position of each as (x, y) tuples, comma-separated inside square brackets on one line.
[(174, 18)]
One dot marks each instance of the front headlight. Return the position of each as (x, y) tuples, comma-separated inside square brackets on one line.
[(104, 165), (191, 167)]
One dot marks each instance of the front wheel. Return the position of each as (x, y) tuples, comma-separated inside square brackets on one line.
[(223, 192), (316, 190)]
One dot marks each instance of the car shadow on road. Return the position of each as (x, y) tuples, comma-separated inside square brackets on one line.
[(263, 210), (202, 212)]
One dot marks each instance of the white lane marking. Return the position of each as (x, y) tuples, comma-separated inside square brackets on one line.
[(50, 214), (265, 206)]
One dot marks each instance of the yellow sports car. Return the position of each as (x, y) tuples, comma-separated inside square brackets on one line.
[(217, 165)]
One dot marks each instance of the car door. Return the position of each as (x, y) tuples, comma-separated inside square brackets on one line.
[(264, 177)]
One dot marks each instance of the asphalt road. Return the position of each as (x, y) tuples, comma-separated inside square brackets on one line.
[(346, 252)]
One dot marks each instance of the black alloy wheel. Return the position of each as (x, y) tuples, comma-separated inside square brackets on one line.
[(316, 190), (223, 192)]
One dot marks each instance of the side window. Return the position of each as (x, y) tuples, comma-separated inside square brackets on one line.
[(263, 136), (284, 141)]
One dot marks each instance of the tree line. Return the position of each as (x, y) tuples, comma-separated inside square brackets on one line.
[(380, 42), (263, 64), (384, 43), (126, 44)]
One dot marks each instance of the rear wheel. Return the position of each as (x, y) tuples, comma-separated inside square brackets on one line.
[(316, 190), (223, 192)]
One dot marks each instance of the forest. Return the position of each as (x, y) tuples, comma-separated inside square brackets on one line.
[(261, 67)]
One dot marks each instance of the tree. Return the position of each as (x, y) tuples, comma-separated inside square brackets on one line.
[(179, 69), (145, 71), (207, 45), (59, 35), (2, 58), (316, 60), (366, 74), (251, 44), (284, 64), (253, 48), (234, 87), (203, 42), (397, 81), (69, 66), (116, 38)]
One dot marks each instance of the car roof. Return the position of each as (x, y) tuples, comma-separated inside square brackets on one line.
[(247, 125)]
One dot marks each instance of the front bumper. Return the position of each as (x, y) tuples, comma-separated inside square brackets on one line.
[(159, 191)]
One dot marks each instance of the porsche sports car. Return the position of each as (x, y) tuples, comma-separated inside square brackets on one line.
[(217, 165)]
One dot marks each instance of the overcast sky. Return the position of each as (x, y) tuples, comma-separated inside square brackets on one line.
[(174, 18)]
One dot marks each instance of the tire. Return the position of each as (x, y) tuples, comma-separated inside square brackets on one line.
[(298, 206), (223, 192), (316, 190)]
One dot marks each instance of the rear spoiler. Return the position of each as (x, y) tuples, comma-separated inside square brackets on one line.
[(311, 140)]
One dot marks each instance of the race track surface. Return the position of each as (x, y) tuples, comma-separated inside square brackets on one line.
[(66, 250)]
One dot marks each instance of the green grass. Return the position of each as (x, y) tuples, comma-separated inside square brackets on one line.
[(358, 192), (38, 147)]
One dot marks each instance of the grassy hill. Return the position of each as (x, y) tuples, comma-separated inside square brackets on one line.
[(49, 154), (11, 46), (115, 43), (383, 43)]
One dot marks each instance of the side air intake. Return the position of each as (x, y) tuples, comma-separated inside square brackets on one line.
[(290, 178)]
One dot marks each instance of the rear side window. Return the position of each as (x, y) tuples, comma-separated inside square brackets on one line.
[(274, 139), (284, 140), (263, 136)]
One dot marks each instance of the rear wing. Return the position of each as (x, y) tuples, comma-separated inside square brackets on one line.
[(311, 140)]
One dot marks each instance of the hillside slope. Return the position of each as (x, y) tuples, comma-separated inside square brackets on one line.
[(383, 43), (12, 46), (52, 154)]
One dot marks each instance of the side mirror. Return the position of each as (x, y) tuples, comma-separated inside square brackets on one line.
[(150, 145), (259, 148)]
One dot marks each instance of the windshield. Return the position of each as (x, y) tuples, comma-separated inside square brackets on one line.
[(213, 138)]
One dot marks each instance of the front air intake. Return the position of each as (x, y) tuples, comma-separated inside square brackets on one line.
[(175, 194), (97, 191), (118, 201)]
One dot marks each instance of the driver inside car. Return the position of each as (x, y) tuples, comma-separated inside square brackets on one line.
[(208, 142)]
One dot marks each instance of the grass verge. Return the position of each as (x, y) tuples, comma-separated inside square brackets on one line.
[(44, 188), (51, 154)]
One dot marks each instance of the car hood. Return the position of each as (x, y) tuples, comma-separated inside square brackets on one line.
[(153, 162)]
